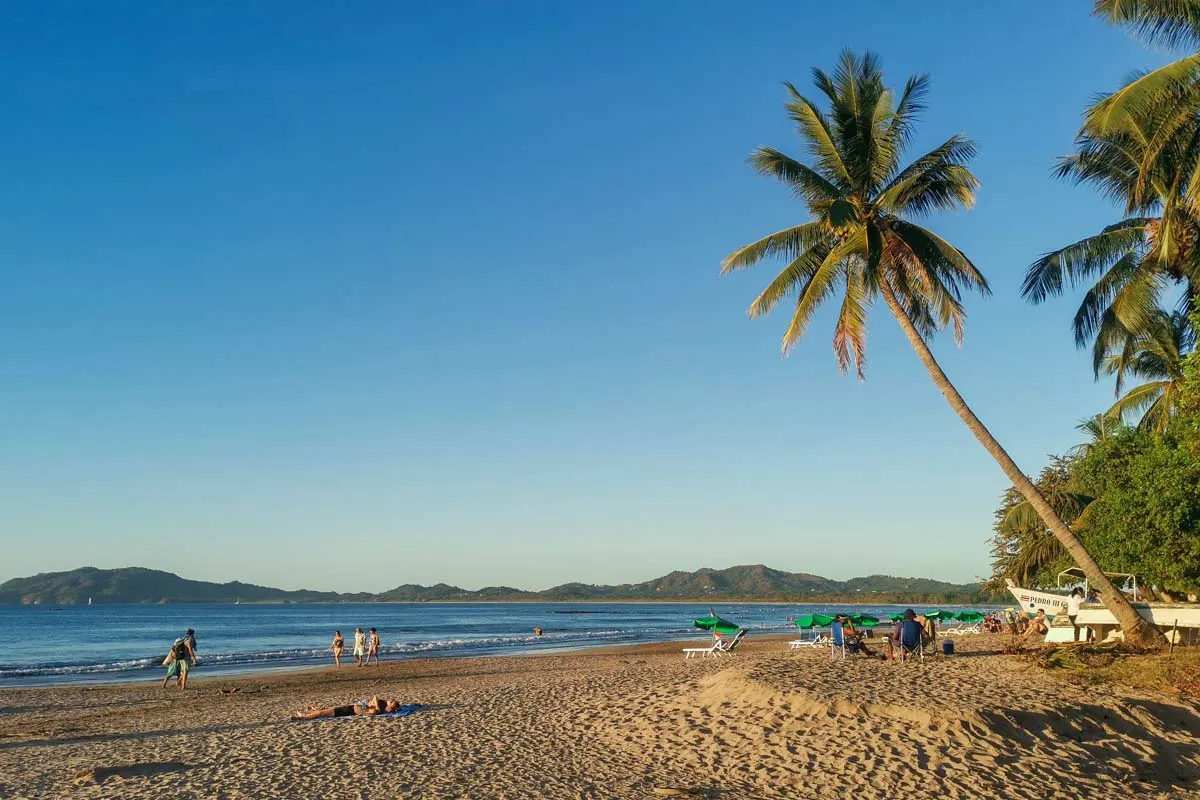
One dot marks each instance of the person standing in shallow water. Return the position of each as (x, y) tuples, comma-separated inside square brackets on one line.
[(360, 645), (339, 644), (373, 647)]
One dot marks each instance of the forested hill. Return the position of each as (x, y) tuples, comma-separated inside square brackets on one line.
[(753, 582)]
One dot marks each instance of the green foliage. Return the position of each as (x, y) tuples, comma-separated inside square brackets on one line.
[(1146, 515), (1023, 549)]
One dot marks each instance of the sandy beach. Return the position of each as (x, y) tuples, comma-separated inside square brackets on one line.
[(625, 722)]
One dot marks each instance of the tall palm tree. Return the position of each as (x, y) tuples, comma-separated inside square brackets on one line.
[(1156, 355), (861, 243)]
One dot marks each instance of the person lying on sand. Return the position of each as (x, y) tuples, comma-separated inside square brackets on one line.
[(376, 705)]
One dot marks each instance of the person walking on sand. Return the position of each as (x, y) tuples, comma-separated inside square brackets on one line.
[(180, 660), (360, 645), (339, 644), (373, 647)]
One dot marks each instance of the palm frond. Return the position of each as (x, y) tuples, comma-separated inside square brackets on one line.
[(788, 243), (819, 286), (850, 333), (1121, 110), (815, 130), (950, 263), (1162, 22), (938, 180), (795, 275), (1051, 273), (806, 183), (1135, 401)]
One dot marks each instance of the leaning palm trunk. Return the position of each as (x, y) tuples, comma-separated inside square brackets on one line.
[(1137, 630)]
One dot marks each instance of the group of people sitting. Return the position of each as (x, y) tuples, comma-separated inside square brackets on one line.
[(907, 635)]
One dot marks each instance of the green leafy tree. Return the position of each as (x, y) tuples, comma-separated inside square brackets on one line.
[(861, 243), (1146, 515)]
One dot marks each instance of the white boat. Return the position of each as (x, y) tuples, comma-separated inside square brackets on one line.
[(1165, 616), (89, 601)]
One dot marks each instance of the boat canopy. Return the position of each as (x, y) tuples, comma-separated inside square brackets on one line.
[(1077, 575)]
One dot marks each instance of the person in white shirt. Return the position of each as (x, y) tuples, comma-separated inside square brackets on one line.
[(1073, 601)]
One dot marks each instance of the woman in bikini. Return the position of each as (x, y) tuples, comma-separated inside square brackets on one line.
[(376, 705), (339, 644)]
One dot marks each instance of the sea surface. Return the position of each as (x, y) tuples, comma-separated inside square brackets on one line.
[(42, 645)]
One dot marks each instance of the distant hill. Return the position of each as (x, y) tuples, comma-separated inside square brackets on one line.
[(750, 582), (140, 585)]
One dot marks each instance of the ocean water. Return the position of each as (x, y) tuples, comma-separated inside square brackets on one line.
[(42, 645)]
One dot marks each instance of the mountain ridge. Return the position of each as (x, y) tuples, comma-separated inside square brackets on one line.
[(742, 582)]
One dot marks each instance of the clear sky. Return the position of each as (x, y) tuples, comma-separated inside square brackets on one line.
[(350, 297)]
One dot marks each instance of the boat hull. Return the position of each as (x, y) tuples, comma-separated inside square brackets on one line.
[(1095, 616)]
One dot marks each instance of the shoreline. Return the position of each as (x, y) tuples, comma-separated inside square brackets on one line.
[(154, 674), (613, 722)]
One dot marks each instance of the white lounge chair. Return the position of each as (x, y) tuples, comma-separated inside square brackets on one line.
[(799, 644), (714, 650), (963, 630)]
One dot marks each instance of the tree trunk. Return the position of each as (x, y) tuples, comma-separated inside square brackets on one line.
[(1137, 630)]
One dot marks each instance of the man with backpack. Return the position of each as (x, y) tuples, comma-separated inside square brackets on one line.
[(181, 659)]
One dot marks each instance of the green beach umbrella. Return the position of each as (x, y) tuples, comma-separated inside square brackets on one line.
[(969, 616), (939, 614), (895, 617), (864, 620), (814, 621), (717, 624)]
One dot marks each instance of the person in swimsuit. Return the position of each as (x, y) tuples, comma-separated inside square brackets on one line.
[(360, 645), (376, 705), (339, 644), (373, 647)]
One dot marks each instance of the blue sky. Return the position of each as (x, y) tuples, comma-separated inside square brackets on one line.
[(415, 292)]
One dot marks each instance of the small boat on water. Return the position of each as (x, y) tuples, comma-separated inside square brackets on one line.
[(1165, 616)]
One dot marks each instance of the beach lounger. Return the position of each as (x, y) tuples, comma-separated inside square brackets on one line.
[(963, 630), (837, 641), (798, 644), (728, 646), (703, 652)]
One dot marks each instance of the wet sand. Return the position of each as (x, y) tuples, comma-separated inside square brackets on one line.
[(764, 722)]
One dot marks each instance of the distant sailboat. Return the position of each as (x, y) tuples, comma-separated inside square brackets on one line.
[(237, 602), (89, 601)]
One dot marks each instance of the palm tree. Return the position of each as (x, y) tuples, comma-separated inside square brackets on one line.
[(862, 244), (1134, 261), (1098, 428), (1157, 356)]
